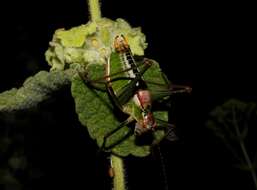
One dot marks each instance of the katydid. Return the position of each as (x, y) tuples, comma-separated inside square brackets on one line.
[(135, 98)]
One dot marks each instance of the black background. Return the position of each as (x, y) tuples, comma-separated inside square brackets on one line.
[(209, 46)]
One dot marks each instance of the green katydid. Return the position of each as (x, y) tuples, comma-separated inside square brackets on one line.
[(131, 94)]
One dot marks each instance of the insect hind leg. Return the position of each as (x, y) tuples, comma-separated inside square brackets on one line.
[(108, 135)]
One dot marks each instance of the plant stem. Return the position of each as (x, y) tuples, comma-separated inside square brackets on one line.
[(94, 9), (242, 146), (249, 163), (119, 175)]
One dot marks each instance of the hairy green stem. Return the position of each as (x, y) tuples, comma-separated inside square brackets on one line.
[(35, 89), (119, 182), (94, 9)]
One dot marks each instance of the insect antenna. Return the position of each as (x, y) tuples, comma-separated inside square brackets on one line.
[(159, 158), (163, 169), (173, 87), (102, 79)]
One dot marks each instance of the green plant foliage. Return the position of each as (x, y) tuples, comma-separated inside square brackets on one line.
[(91, 43), (231, 122), (96, 111)]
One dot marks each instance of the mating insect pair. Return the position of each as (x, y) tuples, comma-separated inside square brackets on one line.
[(134, 99)]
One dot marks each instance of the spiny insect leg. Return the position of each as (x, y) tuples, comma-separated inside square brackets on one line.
[(113, 96), (123, 124), (177, 89)]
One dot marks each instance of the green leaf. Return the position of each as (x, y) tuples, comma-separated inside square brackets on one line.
[(75, 37), (95, 111)]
